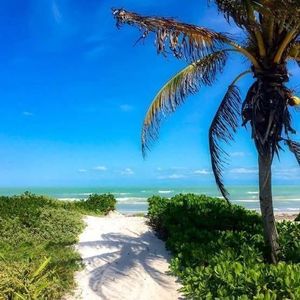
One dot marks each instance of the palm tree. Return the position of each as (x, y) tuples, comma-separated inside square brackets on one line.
[(271, 37)]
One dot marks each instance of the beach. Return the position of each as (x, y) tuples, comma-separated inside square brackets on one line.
[(285, 216), (88, 250), (123, 259)]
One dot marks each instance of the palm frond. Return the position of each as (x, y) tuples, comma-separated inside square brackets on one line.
[(294, 148), (288, 10), (238, 10), (294, 52), (192, 42), (224, 123), (285, 45), (174, 92), (243, 12), (222, 128)]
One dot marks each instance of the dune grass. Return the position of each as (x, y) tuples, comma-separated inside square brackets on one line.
[(37, 260)]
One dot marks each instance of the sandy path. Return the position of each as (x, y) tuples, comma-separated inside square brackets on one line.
[(123, 260)]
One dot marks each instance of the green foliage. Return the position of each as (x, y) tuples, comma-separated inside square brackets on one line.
[(219, 249), (36, 235), (97, 204), (289, 234), (298, 218)]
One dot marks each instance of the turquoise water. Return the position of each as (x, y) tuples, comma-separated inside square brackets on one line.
[(131, 200)]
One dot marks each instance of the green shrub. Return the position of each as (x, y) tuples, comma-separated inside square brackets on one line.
[(97, 204), (36, 232), (219, 249), (289, 234), (200, 212)]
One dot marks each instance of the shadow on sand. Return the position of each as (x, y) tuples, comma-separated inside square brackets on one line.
[(132, 254)]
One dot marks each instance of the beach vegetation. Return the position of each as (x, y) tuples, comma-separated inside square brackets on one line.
[(269, 38), (37, 234), (96, 204), (219, 251)]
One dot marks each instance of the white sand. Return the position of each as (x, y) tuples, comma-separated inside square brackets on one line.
[(123, 260)]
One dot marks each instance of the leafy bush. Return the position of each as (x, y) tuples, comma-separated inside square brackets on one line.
[(201, 212), (97, 204), (219, 249), (36, 232), (289, 239)]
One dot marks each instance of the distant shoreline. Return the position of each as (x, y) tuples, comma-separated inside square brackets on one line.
[(131, 200), (287, 216)]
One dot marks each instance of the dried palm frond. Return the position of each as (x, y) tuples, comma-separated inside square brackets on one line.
[(192, 42), (266, 109), (174, 92)]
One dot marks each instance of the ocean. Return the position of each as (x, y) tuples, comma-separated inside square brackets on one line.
[(134, 199)]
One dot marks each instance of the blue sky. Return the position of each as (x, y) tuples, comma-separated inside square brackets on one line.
[(74, 91)]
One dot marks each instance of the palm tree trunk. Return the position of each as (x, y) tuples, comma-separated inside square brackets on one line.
[(266, 206)]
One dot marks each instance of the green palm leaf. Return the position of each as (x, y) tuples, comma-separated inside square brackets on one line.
[(174, 92), (294, 147), (222, 128), (238, 10)]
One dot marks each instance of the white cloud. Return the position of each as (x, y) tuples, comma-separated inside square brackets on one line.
[(27, 113), (126, 107), (82, 170), (237, 154), (56, 12), (172, 176), (202, 172), (100, 168), (243, 171), (127, 171), (287, 173), (176, 176)]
